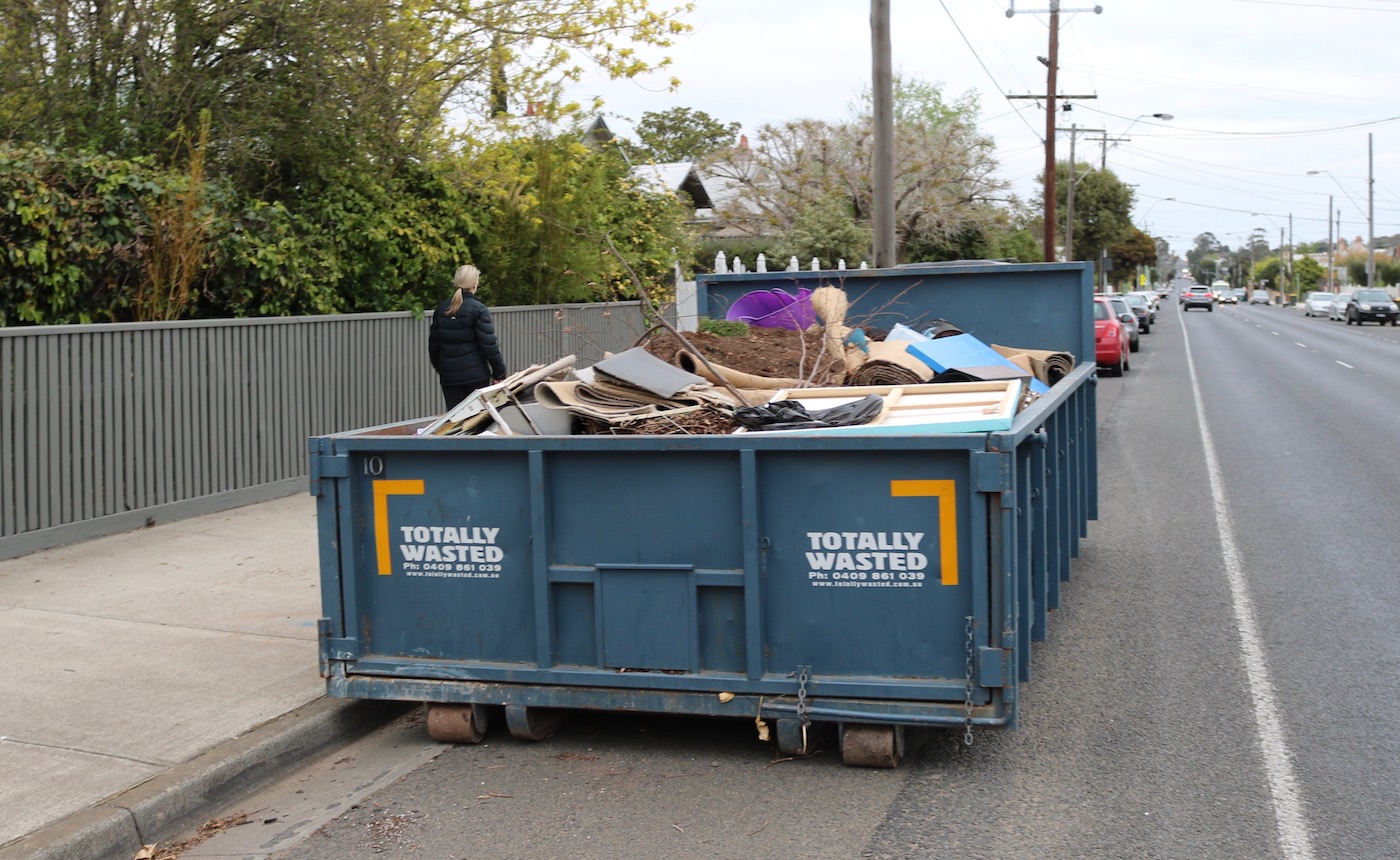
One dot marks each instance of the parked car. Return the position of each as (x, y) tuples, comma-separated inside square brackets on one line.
[(1318, 303), (1111, 346), (1338, 311), (1152, 304), (1259, 297), (1141, 310), (1197, 296), (1127, 317), (1371, 304)]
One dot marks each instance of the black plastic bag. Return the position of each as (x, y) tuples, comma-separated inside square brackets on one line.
[(791, 415)]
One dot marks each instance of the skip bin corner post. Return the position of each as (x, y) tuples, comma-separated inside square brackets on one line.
[(998, 650), (328, 469)]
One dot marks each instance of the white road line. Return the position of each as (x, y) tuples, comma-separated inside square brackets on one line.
[(1294, 833), (1344, 364), (1274, 333), (1303, 345)]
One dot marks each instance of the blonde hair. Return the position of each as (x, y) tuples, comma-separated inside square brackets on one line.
[(465, 279)]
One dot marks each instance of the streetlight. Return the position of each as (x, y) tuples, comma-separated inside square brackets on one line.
[(1103, 160), (1164, 117), (1154, 205)]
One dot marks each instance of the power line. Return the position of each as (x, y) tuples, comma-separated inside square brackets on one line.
[(1328, 7), (1303, 132), (978, 58)]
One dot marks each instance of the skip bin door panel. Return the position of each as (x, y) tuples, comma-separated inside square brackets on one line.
[(647, 618), (871, 565), (442, 557), (660, 537)]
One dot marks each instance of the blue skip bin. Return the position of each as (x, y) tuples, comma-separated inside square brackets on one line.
[(858, 582)]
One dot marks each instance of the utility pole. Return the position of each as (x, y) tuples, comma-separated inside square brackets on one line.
[(1073, 130), (1069, 195), (1370, 215), (1339, 235), (1331, 280), (882, 179), (1051, 64), (1051, 195)]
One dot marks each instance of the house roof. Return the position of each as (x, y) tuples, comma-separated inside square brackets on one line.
[(675, 176)]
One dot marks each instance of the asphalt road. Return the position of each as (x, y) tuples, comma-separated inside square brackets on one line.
[(1219, 682)]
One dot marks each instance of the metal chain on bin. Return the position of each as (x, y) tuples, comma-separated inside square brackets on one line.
[(802, 693), (967, 688)]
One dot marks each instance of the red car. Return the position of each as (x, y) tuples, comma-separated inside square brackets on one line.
[(1110, 339)]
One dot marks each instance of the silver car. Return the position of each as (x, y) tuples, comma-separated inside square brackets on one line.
[(1318, 304), (1338, 311)]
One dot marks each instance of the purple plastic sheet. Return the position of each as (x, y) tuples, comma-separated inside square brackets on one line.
[(774, 309)]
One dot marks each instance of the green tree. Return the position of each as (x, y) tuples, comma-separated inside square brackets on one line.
[(1017, 244), (1203, 256), (1136, 254), (1388, 272), (946, 189), (1267, 272), (560, 222), (828, 231), (1102, 209), (1307, 274), (297, 89), (682, 134), (947, 192), (334, 179), (1356, 271)]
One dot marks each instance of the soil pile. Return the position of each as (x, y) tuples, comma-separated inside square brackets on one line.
[(763, 352)]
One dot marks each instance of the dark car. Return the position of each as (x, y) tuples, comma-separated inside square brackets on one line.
[(1197, 296), (1371, 304), (1141, 310)]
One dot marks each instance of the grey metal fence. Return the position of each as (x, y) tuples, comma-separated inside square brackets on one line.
[(106, 428)]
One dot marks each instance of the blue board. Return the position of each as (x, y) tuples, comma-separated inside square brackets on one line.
[(964, 351)]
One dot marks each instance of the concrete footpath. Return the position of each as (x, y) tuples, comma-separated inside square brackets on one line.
[(155, 676)]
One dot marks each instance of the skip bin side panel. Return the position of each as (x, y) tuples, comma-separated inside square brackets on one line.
[(871, 566), (441, 556)]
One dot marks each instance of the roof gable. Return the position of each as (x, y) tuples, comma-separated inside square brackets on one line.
[(674, 176)]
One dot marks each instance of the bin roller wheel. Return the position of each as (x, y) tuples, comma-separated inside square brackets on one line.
[(456, 724), (872, 746), (792, 741), (533, 724)]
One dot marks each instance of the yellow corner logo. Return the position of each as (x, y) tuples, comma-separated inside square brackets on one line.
[(947, 494), (382, 491)]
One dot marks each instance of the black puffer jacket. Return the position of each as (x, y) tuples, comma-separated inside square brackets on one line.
[(463, 347)]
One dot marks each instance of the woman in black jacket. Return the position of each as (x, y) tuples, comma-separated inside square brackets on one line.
[(462, 341)]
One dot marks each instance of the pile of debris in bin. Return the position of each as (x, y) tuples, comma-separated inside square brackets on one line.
[(799, 368)]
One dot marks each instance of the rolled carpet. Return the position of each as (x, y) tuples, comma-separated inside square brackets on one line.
[(739, 379), (1047, 365)]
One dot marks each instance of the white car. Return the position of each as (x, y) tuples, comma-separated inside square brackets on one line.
[(1338, 311), (1318, 304)]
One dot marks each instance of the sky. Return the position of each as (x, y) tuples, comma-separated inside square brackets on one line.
[(1260, 93)]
